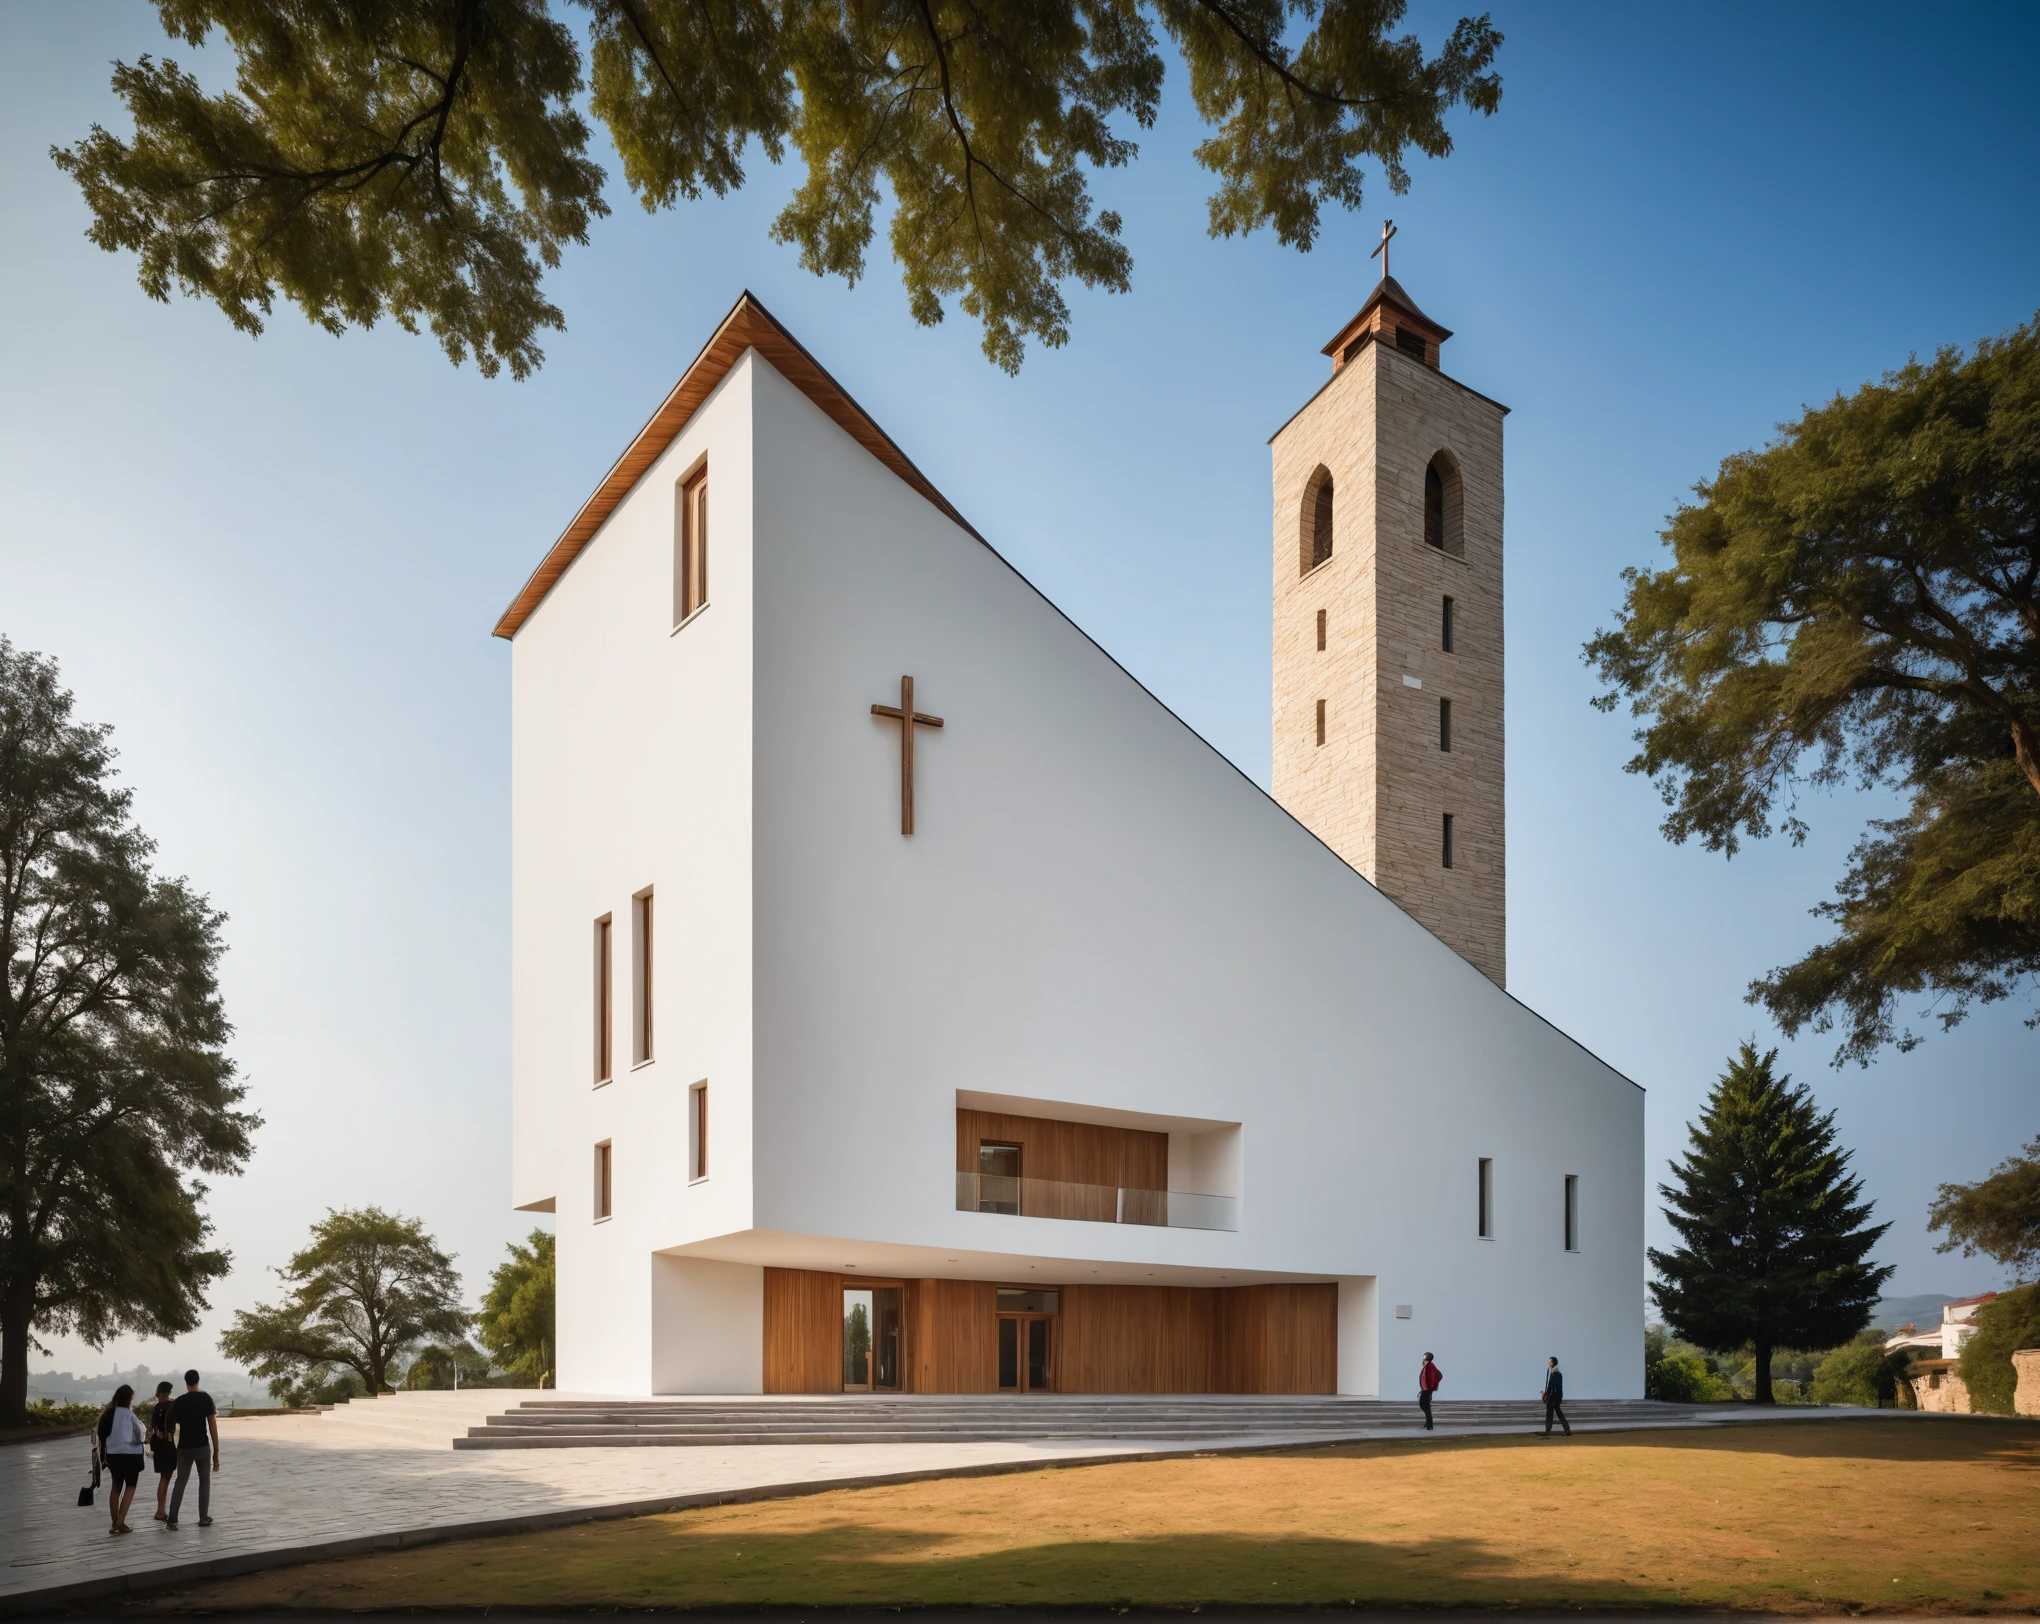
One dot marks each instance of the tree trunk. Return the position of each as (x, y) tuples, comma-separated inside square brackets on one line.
[(1763, 1378), (14, 1320)]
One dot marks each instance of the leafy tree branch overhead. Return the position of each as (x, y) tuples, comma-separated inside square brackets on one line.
[(427, 160), (1859, 602)]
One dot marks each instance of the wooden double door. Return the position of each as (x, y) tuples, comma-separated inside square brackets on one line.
[(1026, 1353)]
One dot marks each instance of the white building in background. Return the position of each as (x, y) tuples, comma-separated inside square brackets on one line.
[(1027, 1043)]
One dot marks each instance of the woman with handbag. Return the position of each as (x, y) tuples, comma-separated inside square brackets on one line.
[(162, 1446), (124, 1441)]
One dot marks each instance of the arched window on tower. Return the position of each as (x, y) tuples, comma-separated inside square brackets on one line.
[(1443, 507), (1317, 519)]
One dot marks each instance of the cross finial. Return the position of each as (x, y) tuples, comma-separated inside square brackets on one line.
[(1381, 248)]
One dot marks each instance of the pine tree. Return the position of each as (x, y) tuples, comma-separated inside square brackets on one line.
[(1774, 1233)]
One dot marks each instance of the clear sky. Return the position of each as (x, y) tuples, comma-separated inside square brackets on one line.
[(273, 565)]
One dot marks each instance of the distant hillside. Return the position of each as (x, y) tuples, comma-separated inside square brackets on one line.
[(226, 1386), (1921, 1309)]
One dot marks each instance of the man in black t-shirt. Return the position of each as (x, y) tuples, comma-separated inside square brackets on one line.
[(197, 1426)]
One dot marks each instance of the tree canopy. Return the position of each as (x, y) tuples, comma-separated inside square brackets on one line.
[(427, 160), (116, 1092), (1998, 1216), (2008, 1322), (1773, 1237), (369, 1285), (516, 1320), (1860, 602)]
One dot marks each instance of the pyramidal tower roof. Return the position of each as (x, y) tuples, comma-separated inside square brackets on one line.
[(1389, 310)]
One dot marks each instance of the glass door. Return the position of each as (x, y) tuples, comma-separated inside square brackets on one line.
[(1026, 1353), (873, 1336)]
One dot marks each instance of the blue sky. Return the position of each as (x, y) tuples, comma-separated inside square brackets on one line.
[(273, 564)]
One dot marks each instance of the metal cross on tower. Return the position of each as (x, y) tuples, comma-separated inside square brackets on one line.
[(1381, 248)]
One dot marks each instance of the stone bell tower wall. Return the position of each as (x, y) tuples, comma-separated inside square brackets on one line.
[(1379, 786)]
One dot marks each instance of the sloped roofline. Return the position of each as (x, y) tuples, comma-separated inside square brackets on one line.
[(748, 326)]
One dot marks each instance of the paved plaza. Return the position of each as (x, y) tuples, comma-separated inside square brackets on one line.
[(384, 1475)]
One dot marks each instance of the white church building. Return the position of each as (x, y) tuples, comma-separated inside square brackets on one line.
[(906, 1000)]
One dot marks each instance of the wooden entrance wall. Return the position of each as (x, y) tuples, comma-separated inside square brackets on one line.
[(1109, 1339)]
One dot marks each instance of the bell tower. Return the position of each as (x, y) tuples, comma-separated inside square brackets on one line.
[(1388, 624)]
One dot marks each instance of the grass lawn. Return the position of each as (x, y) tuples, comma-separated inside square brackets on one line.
[(1890, 1515)]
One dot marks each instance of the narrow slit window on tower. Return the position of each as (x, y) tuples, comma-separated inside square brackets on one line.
[(605, 1001), (1445, 628), (1447, 852), (697, 1133), (1572, 1212), (641, 978), (1321, 631), (690, 548), (1487, 1198), (1445, 725), (1320, 721), (1317, 520), (1434, 507), (602, 1184)]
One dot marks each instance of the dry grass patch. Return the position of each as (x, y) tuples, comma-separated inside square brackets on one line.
[(1916, 1516)]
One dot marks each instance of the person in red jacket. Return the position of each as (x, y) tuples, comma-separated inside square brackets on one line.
[(1429, 1377)]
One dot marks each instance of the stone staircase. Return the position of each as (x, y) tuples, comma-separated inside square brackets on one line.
[(1192, 1419)]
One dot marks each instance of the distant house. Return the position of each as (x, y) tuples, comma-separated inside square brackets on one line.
[(1935, 1383)]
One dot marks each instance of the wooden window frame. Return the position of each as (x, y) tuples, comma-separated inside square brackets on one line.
[(697, 1132), (605, 1001), (1321, 631), (1320, 721), (690, 546), (1486, 1211), (642, 919), (605, 1181)]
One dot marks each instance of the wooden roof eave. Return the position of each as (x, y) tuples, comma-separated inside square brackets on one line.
[(748, 326)]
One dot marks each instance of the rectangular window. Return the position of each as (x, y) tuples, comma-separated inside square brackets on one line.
[(602, 1189), (1320, 721), (998, 1176), (1448, 841), (1445, 629), (1487, 1198), (1410, 342), (1444, 724), (1572, 1212), (641, 978), (1321, 631), (605, 1065), (690, 547), (697, 1132)]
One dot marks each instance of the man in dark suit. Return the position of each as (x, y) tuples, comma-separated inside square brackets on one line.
[(1554, 1397)]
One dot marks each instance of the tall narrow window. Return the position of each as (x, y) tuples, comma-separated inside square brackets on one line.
[(602, 1187), (1444, 505), (1447, 853), (1445, 629), (690, 550), (1434, 507), (1317, 519), (1321, 631), (1572, 1212), (605, 998), (1320, 721), (641, 978), (1487, 1198), (697, 1132), (1444, 724)]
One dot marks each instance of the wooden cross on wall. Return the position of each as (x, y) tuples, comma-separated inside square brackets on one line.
[(908, 718)]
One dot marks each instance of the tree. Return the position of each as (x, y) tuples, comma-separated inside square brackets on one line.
[(1998, 1216), (516, 1320), (1773, 1235), (1860, 602), (370, 1285), (1859, 1373), (436, 1368), (426, 160), (2008, 1322), (116, 1092)]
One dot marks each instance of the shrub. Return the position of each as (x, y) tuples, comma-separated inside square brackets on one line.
[(1683, 1378), (1859, 1373), (47, 1412), (2010, 1322)]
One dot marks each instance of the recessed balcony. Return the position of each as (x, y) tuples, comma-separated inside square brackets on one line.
[(1094, 1203)]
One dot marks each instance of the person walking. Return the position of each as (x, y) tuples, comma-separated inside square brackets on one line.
[(162, 1448), (1554, 1397), (1429, 1379), (197, 1425), (123, 1443)]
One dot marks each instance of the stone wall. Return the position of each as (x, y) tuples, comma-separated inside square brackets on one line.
[(1937, 1387), (2026, 1365)]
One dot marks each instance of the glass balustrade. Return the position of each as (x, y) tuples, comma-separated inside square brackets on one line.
[(1095, 1203)]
